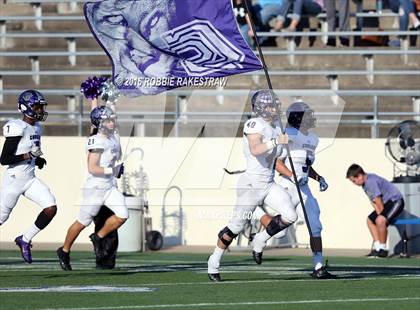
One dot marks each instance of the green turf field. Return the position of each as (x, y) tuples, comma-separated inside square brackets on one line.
[(160, 280)]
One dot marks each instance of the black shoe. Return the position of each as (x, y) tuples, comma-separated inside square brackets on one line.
[(382, 253), (372, 254), (322, 273), (64, 259), (98, 246), (215, 277), (257, 257)]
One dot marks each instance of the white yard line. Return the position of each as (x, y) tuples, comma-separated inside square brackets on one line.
[(251, 303)]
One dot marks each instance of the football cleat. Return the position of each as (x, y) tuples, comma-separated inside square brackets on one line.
[(215, 277), (25, 249), (64, 259), (322, 274), (257, 257), (382, 253), (372, 254), (98, 246)]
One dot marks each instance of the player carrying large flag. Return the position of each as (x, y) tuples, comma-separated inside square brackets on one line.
[(263, 143)]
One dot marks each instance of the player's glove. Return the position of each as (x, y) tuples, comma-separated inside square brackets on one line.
[(303, 181), (323, 185), (40, 162), (35, 152), (118, 170)]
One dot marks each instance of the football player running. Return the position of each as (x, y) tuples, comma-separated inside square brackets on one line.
[(21, 153), (104, 150), (302, 144), (262, 144)]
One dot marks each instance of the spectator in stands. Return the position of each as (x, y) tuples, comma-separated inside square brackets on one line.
[(267, 10), (407, 10), (299, 7), (242, 19), (386, 200), (343, 18)]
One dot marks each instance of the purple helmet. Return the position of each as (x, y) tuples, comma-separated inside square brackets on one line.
[(32, 104), (265, 104), (99, 114)]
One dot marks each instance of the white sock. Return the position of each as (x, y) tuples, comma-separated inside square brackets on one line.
[(30, 233), (382, 246), (214, 260), (260, 241), (376, 245), (318, 260), (416, 23)]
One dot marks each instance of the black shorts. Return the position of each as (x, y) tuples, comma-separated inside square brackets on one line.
[(391, 210)]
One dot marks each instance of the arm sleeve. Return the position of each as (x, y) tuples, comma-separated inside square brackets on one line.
[(8, 155)]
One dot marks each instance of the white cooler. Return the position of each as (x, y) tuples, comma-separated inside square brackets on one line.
[(131, 234)]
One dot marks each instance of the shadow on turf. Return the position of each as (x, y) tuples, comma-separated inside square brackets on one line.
[(344, 272)]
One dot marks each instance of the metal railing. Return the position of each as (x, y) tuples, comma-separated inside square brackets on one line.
[(271, 72), (79, 116)]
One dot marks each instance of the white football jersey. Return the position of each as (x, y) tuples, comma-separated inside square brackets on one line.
[(302, 150), (31, 136), (262, 165), (110, 155)]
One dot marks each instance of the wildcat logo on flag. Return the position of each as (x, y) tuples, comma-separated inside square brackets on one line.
[(156, 45)]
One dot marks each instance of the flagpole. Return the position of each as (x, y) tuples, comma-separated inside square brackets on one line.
[(270, 86)]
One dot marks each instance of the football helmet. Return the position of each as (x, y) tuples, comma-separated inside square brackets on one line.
[(300, 115), (32, 104), (99, 114), (265, 104)]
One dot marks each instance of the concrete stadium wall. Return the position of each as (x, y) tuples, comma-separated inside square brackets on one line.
[(195, 165)]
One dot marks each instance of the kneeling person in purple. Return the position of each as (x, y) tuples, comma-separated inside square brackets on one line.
[(387, 201)]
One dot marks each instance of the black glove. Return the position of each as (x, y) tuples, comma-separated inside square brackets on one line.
[(118, 170), (40, 162)]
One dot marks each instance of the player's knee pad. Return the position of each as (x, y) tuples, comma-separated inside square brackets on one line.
[(276, 225), (228, 232), (316, 244), (51, 211), (44, 218)]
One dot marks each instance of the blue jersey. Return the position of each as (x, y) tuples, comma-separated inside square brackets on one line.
[(376, 186)]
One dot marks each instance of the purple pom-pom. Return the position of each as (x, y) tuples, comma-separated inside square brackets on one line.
[(92, 87)]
